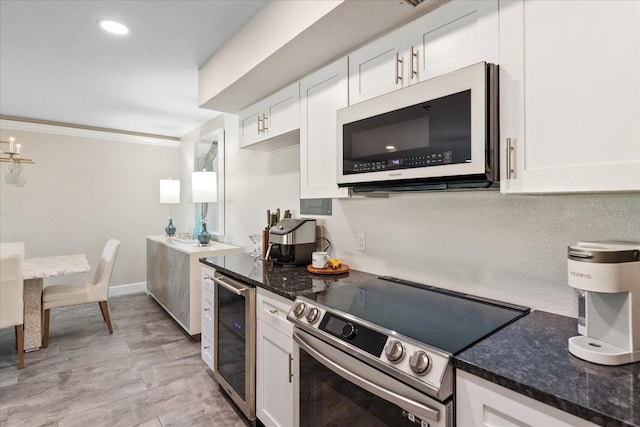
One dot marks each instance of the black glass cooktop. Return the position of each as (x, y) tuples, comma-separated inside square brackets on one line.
[(443, 319)]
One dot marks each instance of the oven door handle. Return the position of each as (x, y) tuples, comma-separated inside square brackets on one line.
[(410, 405), (234, 286)]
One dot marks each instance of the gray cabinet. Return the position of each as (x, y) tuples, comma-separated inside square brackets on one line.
[(174, 277)]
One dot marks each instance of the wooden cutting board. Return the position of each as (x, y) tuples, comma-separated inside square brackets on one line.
[(342, 269)]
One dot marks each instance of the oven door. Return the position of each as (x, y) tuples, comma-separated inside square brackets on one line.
[(235, 341), (333, 388)]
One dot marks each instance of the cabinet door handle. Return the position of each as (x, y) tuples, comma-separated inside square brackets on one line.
[(206, 347), (290, 367), (264, 123), (273, 311), (259, 123), (207, 309), (398, 65), (509, 153), (414, 58)]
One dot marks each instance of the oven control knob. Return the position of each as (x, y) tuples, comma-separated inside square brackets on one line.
[(313, 315), (299, 309), (349, 330), (394, 351), (419, 362)]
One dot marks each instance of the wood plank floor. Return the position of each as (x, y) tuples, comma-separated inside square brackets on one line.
[(148, 373)]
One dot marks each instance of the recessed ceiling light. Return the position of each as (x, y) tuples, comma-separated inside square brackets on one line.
[(113, 27)]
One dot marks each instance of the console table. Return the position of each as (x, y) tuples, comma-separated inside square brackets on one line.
[(173, 277)]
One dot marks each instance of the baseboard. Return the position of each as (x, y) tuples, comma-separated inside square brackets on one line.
[(132, 288)]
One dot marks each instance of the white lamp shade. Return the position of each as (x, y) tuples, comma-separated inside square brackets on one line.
[(169, 191), (204, 187)]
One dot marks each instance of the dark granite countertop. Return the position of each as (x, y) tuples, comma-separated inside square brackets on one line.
[(288, 282), (531, 357)]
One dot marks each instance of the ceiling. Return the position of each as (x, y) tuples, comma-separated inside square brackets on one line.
[(58, 65)]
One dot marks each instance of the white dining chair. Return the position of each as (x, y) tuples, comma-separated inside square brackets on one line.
[(12, 299), (12, 248), (96, 290)]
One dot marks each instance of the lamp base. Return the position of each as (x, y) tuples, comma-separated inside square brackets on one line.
[(170, 229), (204, 238)]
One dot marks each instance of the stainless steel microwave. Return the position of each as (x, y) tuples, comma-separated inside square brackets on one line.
[(438, 134)]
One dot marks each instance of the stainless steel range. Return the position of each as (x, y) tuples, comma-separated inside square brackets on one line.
[(378, 353)]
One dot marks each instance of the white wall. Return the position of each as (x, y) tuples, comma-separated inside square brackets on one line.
[(507, 247), (82, 191)]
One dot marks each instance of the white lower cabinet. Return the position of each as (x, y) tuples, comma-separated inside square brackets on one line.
[(206, 336), (274, 360), (482, 403)]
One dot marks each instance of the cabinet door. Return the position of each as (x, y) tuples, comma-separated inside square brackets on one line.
[(206, 346), (321, 95), (251, 125), (282, 111), (481, 403), (378, 68), (274, 386), (206, 336), (570, 96), (453, 36)]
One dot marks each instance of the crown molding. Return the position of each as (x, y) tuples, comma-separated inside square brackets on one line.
[(67, 129)]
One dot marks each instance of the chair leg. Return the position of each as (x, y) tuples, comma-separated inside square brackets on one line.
[(45, 329), (105, 315), (20, 346)]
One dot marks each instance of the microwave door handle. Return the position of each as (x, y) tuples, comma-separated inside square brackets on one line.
[(380, 391), (238, 290)]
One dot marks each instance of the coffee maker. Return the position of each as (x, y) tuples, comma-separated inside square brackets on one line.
[(608, 273), (291, 242)]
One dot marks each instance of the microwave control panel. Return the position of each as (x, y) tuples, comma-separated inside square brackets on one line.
[(405, 162)]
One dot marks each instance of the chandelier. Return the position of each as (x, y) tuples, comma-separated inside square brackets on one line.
[(12, 156)]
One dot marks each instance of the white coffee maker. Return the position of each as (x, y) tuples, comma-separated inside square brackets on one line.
[(609, 275)]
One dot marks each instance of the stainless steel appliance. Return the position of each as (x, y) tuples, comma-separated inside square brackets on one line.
[(291, 241), (377, 353), (235, 341), (439, 134), (608, 274)]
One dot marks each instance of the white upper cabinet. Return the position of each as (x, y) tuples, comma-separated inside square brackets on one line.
[(453, 36), (268, 125), (377, 68), (321, 95), (570, 96)]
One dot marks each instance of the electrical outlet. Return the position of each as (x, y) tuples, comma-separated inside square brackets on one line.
[(362, 241)]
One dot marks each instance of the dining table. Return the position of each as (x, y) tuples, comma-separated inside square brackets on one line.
[(34, 271)]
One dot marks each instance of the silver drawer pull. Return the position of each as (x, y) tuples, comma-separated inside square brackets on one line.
[(206, 347), (233, 286), (207, 309), (273, 311)]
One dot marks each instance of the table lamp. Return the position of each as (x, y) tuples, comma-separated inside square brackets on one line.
[(170, 193), (204, 189)]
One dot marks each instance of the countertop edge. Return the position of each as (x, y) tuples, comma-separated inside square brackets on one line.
[(246, 279)]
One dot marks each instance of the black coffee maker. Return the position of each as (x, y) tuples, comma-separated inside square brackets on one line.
[(291, 242)]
